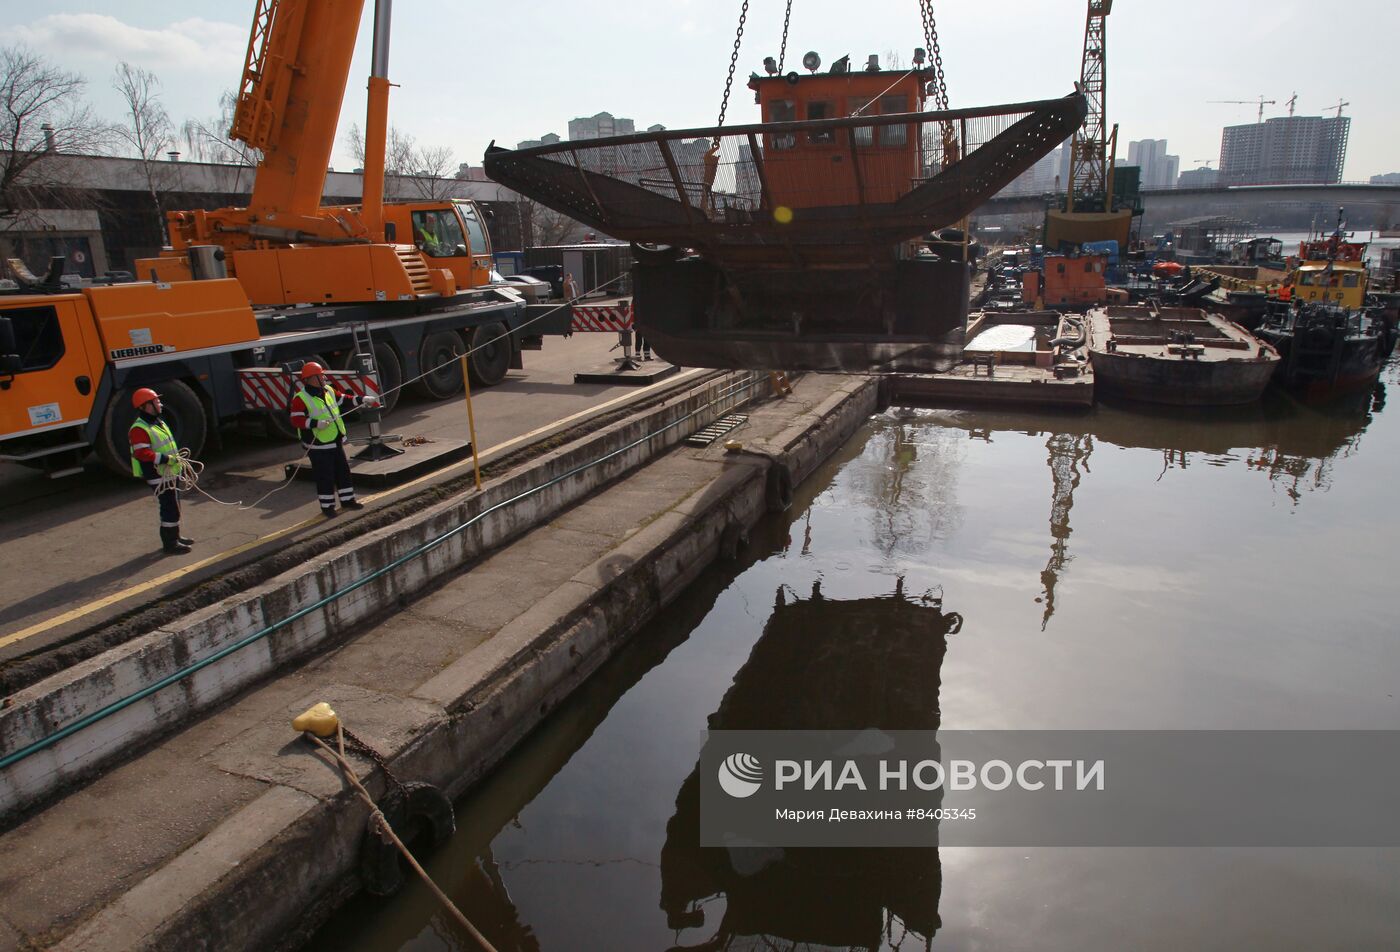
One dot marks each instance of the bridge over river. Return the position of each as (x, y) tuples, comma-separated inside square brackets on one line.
[(1291, 207)]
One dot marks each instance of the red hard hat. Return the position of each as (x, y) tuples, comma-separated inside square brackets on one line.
[(311, 369), (143, 396)]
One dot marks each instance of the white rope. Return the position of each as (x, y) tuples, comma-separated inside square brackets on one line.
[(187, 481)]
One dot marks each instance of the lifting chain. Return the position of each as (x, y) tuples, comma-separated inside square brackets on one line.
[(782, 52), (733, 61), (940, 88)]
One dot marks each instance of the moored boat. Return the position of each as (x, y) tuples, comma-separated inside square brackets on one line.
[(1327, 348), (1176, 355)]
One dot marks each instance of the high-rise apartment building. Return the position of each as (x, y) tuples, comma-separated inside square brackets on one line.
[(1285, 150), (1159, 169)]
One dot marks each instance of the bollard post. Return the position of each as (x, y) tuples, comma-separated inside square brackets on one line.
[(471, 420)]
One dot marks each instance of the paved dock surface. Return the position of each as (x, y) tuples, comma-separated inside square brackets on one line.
[(87, 546), (135, 845)]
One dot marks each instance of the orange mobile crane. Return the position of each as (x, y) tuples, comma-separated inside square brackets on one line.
[(225, 309)]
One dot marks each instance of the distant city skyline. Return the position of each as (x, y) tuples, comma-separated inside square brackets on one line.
[(666, 60)]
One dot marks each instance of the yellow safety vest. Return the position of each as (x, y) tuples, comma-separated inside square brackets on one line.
[(319, 409), (163, 442)]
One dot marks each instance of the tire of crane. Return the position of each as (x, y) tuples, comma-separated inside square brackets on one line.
[(279, 421), (180, 407), (423, 815), (490, 354), (438, 362)]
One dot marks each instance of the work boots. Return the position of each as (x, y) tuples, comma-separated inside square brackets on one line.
[(172, 542)]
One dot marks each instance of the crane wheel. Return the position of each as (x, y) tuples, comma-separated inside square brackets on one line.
[(437, 361), (181, 408), (488, 365)]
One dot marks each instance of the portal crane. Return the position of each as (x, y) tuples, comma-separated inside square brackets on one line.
[(1090, 211)]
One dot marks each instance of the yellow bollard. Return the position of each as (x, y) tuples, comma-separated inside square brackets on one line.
[(471, 421), (319, 719)]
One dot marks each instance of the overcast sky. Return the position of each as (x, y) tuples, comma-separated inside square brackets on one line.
[(472, 71)]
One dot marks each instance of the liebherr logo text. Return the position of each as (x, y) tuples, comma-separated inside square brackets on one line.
[(145, 350), (933, 775)]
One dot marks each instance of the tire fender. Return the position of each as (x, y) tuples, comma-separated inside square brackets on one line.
[(421, 812), (777, 492)]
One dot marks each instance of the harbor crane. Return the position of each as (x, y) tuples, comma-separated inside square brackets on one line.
[(1090, 212), (1261, 101)]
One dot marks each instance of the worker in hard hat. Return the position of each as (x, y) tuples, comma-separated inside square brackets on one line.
[(317, 413), (156, 458)]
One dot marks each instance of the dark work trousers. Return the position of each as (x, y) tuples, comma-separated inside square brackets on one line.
[(332, 472), (169, 504)]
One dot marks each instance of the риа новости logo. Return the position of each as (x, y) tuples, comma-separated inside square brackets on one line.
[(740, 775)]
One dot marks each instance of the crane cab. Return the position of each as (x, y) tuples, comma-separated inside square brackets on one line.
[(450, 234)]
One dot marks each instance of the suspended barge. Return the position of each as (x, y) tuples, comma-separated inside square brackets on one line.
[(805, 242), (1177, 355)]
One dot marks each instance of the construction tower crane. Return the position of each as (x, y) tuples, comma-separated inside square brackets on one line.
[(1090, 211), (1261, 101), (1339, 105)]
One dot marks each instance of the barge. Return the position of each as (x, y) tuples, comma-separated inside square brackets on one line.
[(1023, 357), (1177, 355)]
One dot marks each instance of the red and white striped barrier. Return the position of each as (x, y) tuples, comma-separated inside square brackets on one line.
[(601, 317), (268, 388)]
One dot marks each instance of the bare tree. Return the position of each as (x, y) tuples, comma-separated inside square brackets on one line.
[(550, 227), (146, 131), (432, 169), (409, 169), (208, 140), (42, 118)]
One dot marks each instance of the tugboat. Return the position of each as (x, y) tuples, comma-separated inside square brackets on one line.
[(1332, 335), (1327, 348), (808, 241)]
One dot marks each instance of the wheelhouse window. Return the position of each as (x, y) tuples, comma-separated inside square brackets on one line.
[(821, 110), (782, 110), (893, 106), (438, 233), (38, 338), (864, 135)]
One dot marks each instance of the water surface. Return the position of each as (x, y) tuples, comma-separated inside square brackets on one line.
[(1124, 568)]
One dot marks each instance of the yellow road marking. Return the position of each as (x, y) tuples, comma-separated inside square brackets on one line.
[(161, 580)]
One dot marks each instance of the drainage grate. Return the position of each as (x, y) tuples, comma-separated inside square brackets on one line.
[(716, 429)]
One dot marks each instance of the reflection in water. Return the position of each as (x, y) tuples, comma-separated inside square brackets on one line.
[(1068, 454), (910, 495), (820, 664)]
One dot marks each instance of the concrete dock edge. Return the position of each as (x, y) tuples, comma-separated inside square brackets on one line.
[(267, 875)]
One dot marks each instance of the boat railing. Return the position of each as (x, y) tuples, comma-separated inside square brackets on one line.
[(854, 180)]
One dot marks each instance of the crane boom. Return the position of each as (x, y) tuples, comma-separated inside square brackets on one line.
[(289, 100), (1088, 174)]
